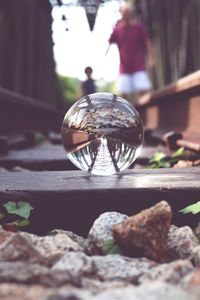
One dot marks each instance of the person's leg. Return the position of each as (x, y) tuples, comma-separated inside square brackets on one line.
[(124, 86), (141, 84)]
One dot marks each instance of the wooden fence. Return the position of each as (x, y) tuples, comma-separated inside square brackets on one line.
[(26, 50), (174, 26)]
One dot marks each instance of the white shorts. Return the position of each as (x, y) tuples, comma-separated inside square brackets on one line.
[(135, 82)]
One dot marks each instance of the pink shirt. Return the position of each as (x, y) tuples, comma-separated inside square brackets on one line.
[(131, 41)]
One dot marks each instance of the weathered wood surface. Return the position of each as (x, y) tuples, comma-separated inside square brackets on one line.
[(38, 158), (188, 140), (73, 199), (174, 107), (53, 157), (26, 50), (21, 113), (173, 27), (187, 84)]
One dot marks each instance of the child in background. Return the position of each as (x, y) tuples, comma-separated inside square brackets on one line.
[(88, 86)]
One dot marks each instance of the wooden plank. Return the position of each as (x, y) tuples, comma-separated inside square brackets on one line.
[(12, 98), (174, 113), (130, 180), (189, 145), (38, 158), (73, 199), (185, 84), (190, 140), (175, 106), (27, 63), (53, 157), (20, 114)]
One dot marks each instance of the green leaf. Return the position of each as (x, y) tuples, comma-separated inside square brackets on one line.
[(157, 165), (164, 164), (157, 157), (9, 206), (21, 208), (23, 223), (110, 247), (178, 153), (193, 209)]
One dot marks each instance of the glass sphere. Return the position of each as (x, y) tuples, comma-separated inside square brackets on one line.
[(102, 134)]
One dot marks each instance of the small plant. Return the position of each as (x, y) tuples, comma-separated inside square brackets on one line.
[(161, 160), (110, 247), (193, 209), (12, 210)]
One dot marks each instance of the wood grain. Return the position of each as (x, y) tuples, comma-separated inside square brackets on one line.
[(183, 85), (54, 158), (74, 199)]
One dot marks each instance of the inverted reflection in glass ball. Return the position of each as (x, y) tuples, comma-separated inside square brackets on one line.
[(102, 134)]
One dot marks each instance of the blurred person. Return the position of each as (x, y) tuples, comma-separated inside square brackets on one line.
[(135, 52), (88, 86)]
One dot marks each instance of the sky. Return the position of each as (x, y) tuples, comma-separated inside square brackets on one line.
[(79, 47)]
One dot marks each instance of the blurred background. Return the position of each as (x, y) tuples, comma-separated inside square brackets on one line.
[(46, 44)]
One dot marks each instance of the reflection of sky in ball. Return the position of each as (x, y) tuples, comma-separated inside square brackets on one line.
[(79, 47)]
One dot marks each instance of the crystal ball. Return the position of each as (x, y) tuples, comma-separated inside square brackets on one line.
[(102, 134)]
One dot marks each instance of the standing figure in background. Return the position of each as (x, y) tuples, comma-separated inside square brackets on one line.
[(88, 86), (135, 52)]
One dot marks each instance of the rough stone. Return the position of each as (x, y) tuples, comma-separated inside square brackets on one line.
[(5, 235), (197, 231), (192, 279), (121, 268), (29, 273), (101, 231), (153, 291), (196, 256), (53, 247), (11, 291), (170, 272), (145, 234), (109, 267), (19, 248), (76, 263), (21, 272), (183, 164), (69, 294), (97, 286), (181, 242), (55, 267), (75, 237)]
